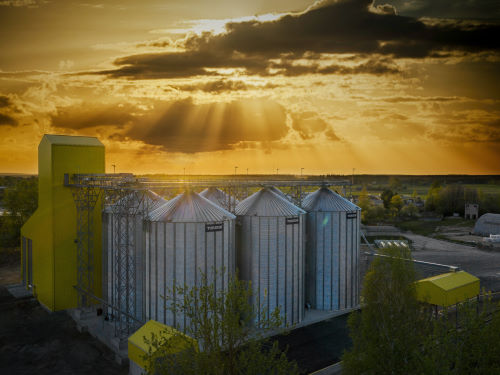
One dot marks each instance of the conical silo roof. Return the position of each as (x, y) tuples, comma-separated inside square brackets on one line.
[(275, 190), (326, 200), (190, 207), (267, 203), (151, 201), (217, 196)]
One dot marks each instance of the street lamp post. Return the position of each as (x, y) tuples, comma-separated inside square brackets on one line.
[(235, 169)]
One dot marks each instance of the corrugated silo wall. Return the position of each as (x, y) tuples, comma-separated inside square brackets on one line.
[(332, 260), (271, 255), (177, 255), (123, 254)]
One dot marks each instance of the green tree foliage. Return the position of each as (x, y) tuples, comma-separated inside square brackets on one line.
[(227, 341), (20, 201), (397, 202), (396, 334), (432, 197), (409, 211), (387, 333), (386, 197), (364, 203)]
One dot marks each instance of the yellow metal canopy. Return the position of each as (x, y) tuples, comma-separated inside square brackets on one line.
[(137, 347), (447, 289)]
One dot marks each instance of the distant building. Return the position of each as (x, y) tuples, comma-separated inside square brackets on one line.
[(471, 211), (487, 224)]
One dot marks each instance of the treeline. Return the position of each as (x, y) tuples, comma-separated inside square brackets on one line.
[(440, 200), (451, 199), (19, 199)]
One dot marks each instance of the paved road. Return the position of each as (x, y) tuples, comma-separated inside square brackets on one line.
[(481, 263)]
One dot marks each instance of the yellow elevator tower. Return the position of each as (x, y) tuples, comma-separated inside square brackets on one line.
[(49, 237)]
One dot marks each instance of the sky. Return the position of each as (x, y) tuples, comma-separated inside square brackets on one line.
[(268, 86)]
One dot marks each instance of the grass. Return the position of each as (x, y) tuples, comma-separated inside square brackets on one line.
[(426, 228)]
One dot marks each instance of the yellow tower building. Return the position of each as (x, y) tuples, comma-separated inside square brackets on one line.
[(49, 237)]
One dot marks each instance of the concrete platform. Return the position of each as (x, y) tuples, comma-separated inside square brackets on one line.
[(19, 291)]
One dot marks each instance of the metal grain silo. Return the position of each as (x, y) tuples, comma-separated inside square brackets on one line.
[(271, 253), (185, 238), (123, 251), (332, 251), (220, 198)]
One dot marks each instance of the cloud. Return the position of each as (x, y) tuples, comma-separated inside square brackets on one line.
[(308, 124), (88, 115), (468, 9), (223, 85), (341, 27), (21, 3), (7, 120), (4, 101), (186, 127)]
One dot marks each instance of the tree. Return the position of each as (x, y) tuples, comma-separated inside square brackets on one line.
[(386, 197), (365, 204), (227, 341), (396, 334), (20, 201), (388, 332), (410, 211), (397, 202), (432, 197)]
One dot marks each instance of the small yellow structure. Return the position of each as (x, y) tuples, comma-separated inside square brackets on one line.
[(447, 289), (138, 348), (48, 248)]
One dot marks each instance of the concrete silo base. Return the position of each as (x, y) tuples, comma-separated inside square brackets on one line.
[(102, 330)]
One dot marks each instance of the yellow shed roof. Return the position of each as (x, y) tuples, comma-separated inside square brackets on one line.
[(448, 289), (137, 347)]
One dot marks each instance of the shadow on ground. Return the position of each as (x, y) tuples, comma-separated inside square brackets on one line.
[(34, 341)]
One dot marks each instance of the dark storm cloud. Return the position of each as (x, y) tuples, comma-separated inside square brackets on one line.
[(90, 115), (470, 9), (4, 101), (308, 124), (7, 120), (183, 126), (223, 85), (349, 26)]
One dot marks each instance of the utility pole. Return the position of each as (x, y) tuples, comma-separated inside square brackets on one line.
[(301, 170), (114, 168), (247, 172), (235, 169), (277, 170)]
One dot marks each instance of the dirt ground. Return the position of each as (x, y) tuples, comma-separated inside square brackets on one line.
[(34, 341)]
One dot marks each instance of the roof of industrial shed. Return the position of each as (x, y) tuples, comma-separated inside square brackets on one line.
[(326, 200), (447, 289), (217, 196), (190, 207), (267, 203), (487, 224), (72, 140), (151, 201)]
